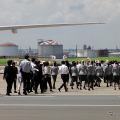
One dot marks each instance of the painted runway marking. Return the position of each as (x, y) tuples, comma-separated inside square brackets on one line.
[(28, 96), (45, 105)]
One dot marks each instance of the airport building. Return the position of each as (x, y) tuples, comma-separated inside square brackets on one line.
[(49, 48), (8, 49)]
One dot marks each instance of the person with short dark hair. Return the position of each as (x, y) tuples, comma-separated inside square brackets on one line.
[(26, 56), (8, 75), (62, 62)]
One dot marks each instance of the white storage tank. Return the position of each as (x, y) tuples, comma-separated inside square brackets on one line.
[(87, 53), (48, 48), (8, 49)]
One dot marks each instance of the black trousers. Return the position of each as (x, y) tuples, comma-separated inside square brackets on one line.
[(116, 79), (9, 82), (26, 81), (54, 80), (14, 83), (64, 78), (82, 78), (67, 78), (47, 79), (37, 81), (32, 82), (98, 78), (90, 80), (74, 79), (42, 85)]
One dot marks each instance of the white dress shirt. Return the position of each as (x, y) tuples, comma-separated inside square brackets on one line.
[(26, 66), (47, 70), (78, 66), (63, 69), (33, 65)]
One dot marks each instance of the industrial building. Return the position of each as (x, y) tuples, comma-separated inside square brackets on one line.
[(114, 54), (48, 48), (103, 53), (87, 53), (8, 49)]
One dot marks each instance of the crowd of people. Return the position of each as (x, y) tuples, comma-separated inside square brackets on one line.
[(86, 75)]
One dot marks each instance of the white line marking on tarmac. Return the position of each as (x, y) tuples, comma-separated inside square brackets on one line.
[(27, 96), (66, 105)]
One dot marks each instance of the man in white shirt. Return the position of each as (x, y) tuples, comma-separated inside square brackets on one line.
[(25, 68), (63, 70)]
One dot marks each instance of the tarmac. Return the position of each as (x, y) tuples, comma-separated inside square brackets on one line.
[(103, 90), (60, 107), (102, 103)]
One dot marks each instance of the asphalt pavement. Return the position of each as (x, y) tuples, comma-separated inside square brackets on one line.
[(102, 103), (50, 107)]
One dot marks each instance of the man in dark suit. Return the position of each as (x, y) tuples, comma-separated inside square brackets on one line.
[(38, 77), (8, 75)]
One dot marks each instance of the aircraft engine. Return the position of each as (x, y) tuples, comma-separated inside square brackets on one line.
[(14, 31)]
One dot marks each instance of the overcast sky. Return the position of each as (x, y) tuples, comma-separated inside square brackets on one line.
[(24, 12)]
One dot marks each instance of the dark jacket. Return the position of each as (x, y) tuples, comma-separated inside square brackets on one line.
[(38, 72), (8, 72), (15, 72)]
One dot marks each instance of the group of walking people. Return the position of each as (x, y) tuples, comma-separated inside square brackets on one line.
[(86, 75), (90, 74), (31, 74)]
